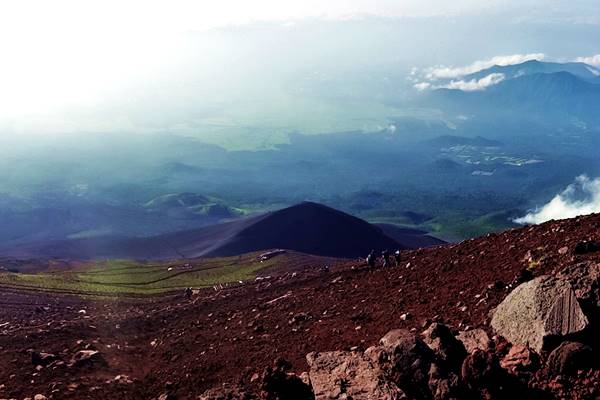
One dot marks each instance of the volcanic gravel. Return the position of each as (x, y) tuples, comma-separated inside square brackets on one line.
[(231, 334)]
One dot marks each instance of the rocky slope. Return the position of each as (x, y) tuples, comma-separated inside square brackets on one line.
[(512, 315)]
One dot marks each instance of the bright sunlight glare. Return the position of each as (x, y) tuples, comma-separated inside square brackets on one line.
[(56, 54)]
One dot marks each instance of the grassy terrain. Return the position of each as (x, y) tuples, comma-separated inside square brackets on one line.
[(266, 124), (122, 277)]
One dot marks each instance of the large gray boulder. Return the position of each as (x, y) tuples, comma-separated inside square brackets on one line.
[(338, 375), (538, 310)]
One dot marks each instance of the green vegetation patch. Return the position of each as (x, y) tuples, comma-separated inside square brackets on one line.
[(124, 277)]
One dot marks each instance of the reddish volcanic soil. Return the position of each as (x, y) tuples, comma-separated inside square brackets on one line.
[(230, 335)]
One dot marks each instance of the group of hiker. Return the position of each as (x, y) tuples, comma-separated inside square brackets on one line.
[(385, 258)]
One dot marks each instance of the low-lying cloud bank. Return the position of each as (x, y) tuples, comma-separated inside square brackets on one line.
[(579, 198), (464, 85), (591, 60)]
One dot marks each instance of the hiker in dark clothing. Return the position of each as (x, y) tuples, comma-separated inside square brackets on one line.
[(397, 257), (386, 258), (188, 293), (371, 259)]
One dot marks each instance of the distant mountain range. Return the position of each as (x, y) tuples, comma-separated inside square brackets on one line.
[(581, 70), (307, 227), (553, 93), (560, 91)]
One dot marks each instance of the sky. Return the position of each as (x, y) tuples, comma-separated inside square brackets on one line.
[(183, 15), (177, 15), (64, 61)]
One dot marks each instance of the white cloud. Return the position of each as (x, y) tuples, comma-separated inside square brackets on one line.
[(422, 86), (476, 84), (466, 86), (580, 198), (591, 60), (442, 72)]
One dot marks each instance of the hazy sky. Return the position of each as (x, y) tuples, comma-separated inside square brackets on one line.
[(63, 55), (177, 15)]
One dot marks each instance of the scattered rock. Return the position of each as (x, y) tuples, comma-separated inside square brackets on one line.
[(570, 357), (441, 340), (474, 339), (520, 360), (39, 397), (585, 280), (406, 359), (443, 386), (538, 310), (300, 317), (87, 358), (481, 373), (305, 378), (349, 375), (122, 380), (524, 275), (43, 359), (361, 316), (497, 285), (587, 247), (226, 393), (280, 384)]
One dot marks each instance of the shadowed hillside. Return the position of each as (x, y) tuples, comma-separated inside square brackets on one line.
[(307, 227)]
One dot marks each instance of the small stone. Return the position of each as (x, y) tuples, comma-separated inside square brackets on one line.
[(43, 359), (587, 247), (87, 357), (570, 357), (520, 359), (474, 339)]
